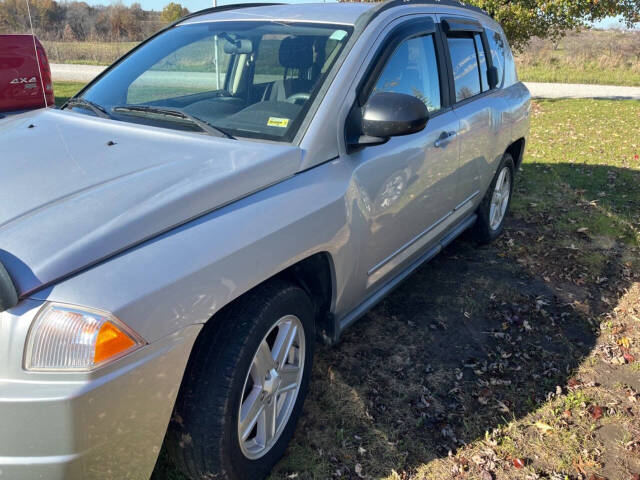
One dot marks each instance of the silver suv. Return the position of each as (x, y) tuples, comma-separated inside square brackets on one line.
[(175, 238)]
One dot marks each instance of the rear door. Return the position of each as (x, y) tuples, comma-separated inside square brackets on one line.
[(474, 103), (409, 182)]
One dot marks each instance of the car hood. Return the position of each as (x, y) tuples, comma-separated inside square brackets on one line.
[(75, 189)]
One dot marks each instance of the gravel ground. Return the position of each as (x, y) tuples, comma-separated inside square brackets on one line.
[(85, 73)]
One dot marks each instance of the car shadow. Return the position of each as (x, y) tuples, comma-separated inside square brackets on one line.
[(472, 340), (479, 336)]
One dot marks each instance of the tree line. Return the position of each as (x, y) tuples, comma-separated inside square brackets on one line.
[(79, 21)]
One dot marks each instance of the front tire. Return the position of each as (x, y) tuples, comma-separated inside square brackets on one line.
[(495, 204), (245, 386)]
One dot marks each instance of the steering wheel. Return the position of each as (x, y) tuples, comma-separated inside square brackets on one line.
[(298, 97)]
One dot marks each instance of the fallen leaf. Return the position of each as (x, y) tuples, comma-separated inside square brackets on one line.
[(573, 383), (624, 342), (595, 411), (518, 463), (628, 357)]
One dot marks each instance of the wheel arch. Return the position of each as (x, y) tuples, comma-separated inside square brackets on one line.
[(516, 150), (315, 274)]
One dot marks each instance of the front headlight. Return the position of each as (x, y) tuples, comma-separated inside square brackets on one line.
[(67, 338)]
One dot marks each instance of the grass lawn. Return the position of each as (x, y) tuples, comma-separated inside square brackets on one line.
[(591, 74), (65, 90), (518, 360)]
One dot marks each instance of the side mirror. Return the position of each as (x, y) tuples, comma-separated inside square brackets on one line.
[(492, 77), (388, 114)]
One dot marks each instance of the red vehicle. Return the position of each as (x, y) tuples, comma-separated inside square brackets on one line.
[(21, 87)]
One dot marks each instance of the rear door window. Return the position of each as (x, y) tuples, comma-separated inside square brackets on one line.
[(464, 62)]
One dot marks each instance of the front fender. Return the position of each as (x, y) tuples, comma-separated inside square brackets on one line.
[(186, 275)]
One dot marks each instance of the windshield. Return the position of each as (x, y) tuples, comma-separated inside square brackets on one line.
[(242, 79)]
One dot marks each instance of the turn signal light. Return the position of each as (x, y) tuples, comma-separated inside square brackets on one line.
[(78, 339)]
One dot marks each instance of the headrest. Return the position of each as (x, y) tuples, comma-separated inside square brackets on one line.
[(296, 52)]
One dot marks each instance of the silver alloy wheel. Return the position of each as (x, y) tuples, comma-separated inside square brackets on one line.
[(500, 198), (271, 387)]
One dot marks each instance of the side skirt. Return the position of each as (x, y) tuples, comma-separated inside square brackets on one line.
[(349, 319)]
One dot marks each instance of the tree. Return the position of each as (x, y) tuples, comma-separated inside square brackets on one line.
[(173, 12), (523, 19)]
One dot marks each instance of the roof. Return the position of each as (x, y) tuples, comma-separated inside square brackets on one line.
[(340, 13)]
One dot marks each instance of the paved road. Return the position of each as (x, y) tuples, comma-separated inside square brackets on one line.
[(578, 90), (84, 73)]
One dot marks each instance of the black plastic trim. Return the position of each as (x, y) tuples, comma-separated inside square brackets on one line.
[(367, 17), (460, 24), (447, 55), (420, 25), (8, 293)]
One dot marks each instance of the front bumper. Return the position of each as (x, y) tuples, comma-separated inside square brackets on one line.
[(107, 424)]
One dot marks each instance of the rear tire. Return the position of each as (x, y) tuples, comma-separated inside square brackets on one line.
[(231, 380), (495, 204)]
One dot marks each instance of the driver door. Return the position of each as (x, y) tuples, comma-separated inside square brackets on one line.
[(409, 182)]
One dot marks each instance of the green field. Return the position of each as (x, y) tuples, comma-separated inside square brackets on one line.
[(87, 53), (605, 57), (520, 358)]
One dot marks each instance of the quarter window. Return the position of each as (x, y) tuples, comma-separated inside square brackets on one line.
[(464, 61), (497, 47), (413, 70)]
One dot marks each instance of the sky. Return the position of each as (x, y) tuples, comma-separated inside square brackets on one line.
[(194, 5)]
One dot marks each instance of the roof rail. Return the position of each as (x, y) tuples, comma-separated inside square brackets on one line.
[(367, 17), (222, 8)]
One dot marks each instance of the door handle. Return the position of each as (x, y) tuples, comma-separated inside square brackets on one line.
[(444, 139)]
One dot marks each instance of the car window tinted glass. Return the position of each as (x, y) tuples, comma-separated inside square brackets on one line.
[(477, 38), (497, 47), (247, 78), (464, 61), (413, 70), (510, 75), (196, 68)]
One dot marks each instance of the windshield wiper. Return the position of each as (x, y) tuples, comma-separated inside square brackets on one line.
[(88, 105), (172, 113)]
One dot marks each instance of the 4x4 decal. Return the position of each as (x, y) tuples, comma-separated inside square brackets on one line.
[(23, 80)]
